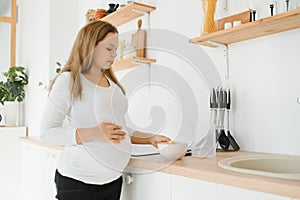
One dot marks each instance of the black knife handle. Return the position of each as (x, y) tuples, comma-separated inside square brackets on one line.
[(228, 103)]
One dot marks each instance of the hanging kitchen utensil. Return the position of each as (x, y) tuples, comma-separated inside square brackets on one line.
[(222, 139), (206, 147), (231, 139)]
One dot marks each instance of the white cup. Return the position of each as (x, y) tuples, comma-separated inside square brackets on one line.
[(237, 23), (227, 25)]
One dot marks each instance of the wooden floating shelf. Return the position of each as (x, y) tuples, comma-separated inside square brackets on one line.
[(129, 12), (267, 26), (130, 62)]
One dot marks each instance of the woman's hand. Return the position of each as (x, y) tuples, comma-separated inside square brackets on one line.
[(155, 139), (148, 138), (112, 132)]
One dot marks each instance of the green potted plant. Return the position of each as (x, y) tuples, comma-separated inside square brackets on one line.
[(12, 92)]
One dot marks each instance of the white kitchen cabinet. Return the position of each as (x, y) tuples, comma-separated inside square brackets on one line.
[(39, 164), (49, 158), (148, 186), (194, 189), (163, 186), (10, 162)]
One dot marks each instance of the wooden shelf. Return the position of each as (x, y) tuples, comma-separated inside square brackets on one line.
[(129, 12), (130, 62), (121, 16), (267, 26)]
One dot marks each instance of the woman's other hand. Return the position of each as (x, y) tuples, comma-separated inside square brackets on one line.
[(112, 132)]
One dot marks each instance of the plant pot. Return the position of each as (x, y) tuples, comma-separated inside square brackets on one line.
[(12, 113)]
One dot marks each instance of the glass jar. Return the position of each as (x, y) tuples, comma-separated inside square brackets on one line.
[(209, 7)]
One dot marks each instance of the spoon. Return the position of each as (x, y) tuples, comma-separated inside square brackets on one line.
[(223, 140)]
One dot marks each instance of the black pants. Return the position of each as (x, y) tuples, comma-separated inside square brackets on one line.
[(71, 189)]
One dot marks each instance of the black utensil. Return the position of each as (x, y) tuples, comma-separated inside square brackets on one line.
[(253, 14), (287, 5), (116, 7), (188, 152), (272, 8), (232, 141), (223, 140)]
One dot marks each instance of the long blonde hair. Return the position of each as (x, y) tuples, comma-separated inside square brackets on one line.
[(80, 59)]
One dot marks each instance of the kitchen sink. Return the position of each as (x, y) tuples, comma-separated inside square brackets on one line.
[(276, 166)]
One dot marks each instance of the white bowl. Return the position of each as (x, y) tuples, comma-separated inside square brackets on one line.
[(172, 151)]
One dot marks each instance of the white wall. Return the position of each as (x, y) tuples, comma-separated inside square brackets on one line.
[(34, 45), (46, 31), (63, 30), (263, 71), (264, 76)]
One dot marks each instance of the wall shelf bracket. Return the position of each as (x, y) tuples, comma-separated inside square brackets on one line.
[(149, 76), (226, 58), (225, 55)]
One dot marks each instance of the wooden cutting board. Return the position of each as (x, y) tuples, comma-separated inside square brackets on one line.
[(138, 40)]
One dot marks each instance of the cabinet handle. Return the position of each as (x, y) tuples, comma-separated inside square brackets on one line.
[(128, 179)]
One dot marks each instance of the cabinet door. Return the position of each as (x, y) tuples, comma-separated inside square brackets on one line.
[(49, 161), (10, 162), (31, 172), (148, 186), (193, 189), (39, 164)]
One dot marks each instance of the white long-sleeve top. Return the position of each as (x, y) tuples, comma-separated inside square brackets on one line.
[(91, 162)]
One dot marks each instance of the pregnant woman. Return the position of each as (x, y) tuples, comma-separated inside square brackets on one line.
[(85, 113)]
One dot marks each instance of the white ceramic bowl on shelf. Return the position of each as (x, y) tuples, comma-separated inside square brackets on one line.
[(172, 151)]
